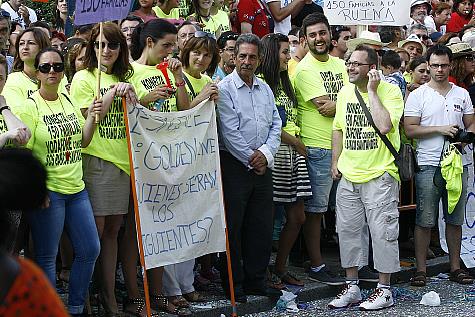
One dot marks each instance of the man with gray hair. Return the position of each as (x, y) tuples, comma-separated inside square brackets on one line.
[(420, 30), (249, 136)]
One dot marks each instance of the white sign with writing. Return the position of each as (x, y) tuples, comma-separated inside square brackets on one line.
[(367, 12), (178, 183), (467, 250)]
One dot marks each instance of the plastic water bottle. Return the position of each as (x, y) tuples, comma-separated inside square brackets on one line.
[(158, 104)]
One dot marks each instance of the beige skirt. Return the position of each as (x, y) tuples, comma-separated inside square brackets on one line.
[(108, 186)]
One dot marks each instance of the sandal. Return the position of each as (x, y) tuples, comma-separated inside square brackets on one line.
[(419, 279), (194, 297), (460, 276), (139, 307), (289, 278), (165, 305), (179, 301), (273, 281)]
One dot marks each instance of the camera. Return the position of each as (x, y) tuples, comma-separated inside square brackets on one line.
[(462, 136)]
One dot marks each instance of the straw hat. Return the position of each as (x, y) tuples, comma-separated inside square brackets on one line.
[(412, 39), (366, 37), (460, 49)]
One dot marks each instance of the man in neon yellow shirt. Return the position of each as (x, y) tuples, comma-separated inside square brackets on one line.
[(317, 80), (368, 190)]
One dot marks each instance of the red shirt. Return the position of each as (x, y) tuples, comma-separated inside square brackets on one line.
[(457, 22), (254, 13)]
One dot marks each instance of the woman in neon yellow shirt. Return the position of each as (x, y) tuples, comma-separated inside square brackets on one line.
[(200, 55), (209, 23), (59, 131), (106, 160), (152, 44), (22, 82), (167, 9), (290, 175)]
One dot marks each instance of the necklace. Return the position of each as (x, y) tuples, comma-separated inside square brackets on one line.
[(67, 139), (34, 80)]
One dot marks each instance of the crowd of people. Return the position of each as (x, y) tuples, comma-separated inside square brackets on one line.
[(305, 110)]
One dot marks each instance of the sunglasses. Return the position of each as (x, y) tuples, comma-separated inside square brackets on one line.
[(230, 36), (111, 45), (422, 37), (205, 34), (469, 58), (46, 68)]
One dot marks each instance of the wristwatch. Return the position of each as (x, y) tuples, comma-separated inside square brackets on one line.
[(4, 108)]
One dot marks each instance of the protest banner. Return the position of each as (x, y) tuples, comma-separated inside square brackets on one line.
[(175, 162), (367, 12), (94, 11), (467, 250)]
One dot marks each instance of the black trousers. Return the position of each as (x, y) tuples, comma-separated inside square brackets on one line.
[(248, 202)]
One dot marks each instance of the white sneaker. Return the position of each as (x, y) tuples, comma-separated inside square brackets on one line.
[(349, 296), (380, 299)]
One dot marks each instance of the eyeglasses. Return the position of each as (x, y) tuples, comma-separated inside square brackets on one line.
[(205, 34), (111, 45), (469, 58), (355, 64), (45, 68), (436, 66), (422, 37)]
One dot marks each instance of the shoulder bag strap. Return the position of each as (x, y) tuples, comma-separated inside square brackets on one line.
[(371, 121)]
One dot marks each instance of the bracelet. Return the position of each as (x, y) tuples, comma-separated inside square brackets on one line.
[(4, 108), (182, 84)]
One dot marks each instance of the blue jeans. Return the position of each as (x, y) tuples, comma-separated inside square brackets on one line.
[(319, 162), (73, 213), (430, 188)]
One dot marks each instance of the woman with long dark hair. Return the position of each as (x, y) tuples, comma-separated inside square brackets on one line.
[(152, 44), (290, 175), (22, 82), (463, 65), (61, 15), (208, 23), (59, 132), (106, 160)]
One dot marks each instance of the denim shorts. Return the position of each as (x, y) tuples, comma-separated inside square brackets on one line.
[(430, 188), (319, 163)]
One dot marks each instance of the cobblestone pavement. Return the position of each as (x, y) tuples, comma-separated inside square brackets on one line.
[(456, 300)]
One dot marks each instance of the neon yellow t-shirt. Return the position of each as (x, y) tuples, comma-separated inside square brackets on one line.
[(110, 141), (212, 25), (292, 65), (174, 13), (197, 84), (407, 77), (4, 129), (364, 156), (222, 21), (282, 99), (56, 134), (184, 8), (146, 78), (314, 79), (19, 87)]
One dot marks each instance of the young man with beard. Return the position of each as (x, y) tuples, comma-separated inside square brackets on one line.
[(226, 43), (368, 190), (317, 80)]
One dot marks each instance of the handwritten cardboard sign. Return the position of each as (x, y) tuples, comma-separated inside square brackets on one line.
[(94, 11), (367, 12), (467, 250), (175, 157)]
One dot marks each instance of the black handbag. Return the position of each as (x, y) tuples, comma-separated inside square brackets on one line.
[(405, 160)]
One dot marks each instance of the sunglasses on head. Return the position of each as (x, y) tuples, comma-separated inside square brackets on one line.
[(205, 34), (230, 36), (469, 58), (111, 45), (45, 68)]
